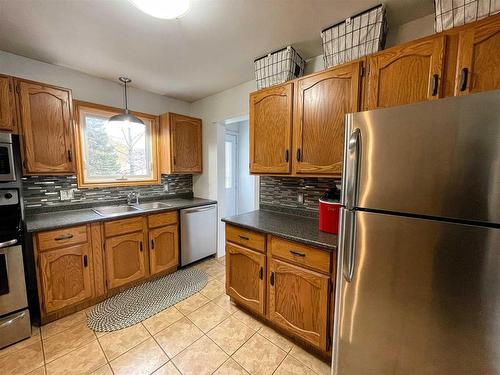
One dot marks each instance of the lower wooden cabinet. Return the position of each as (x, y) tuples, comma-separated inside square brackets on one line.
[(125, 259), (163, 248), (298, 301), (245, 281), (66, 276), (289, 284)]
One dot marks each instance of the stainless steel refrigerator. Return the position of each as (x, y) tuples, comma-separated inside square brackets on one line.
[(418, 287)]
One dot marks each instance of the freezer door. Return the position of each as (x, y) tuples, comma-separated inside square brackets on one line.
[(439, 158), (423, 298)]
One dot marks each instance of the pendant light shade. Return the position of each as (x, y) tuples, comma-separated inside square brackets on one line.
[(125, 117)]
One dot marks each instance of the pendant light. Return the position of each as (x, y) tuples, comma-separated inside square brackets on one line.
[(125, 117)]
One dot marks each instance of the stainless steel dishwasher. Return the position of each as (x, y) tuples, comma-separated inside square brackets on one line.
[(198, 233)]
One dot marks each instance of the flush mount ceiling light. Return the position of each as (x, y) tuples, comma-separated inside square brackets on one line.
[(125, 117), (165, 9)]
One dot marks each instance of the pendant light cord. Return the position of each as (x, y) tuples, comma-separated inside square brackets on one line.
[(126, 98)]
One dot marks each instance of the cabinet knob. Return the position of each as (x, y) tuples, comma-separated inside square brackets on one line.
[(286, 155), (464, 76), (70, 156), (271, 279), (152, 244), (85, 261), (299, 154), (435, 84), (261, 273), (140, 245)]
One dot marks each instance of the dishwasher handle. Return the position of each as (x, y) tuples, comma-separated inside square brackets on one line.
[(198, 209)]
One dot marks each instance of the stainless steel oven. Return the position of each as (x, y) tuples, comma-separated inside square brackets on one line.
[(14, 314), (7, 169)]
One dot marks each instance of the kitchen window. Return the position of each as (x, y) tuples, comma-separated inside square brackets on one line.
[(114, 154)]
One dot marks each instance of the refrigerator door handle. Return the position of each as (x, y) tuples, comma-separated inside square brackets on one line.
[(346, 243), (353, 151)]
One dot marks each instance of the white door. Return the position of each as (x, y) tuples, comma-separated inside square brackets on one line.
[(231, 173)]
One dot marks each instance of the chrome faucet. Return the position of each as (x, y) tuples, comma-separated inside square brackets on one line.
[(132, 198)]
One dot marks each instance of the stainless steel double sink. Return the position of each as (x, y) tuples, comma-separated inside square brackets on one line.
[(110, 211)]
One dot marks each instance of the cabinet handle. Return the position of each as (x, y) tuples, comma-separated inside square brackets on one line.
[(85, 261), (261, 273), (297, 253), (152, 244), (70, 156), (286, 155), (435, 84), (243, 238), (464, 75), (64, 237), (140, 245), (174, 160), (299, 154), (272, 279)]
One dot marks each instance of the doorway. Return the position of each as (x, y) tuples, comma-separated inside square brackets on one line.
[(231, 172), (239, 186)]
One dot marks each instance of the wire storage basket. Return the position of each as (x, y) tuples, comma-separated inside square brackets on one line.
[(278, 67), (451, 13), (355, 37)]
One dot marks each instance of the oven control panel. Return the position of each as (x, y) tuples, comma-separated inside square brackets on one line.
[(8, 197)]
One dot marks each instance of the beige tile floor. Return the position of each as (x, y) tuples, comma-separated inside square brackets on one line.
[(204, 334)]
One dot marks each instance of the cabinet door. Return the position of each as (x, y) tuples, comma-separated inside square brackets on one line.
[(7, 112), (186, 144), (65, 276), (125, 259), (164, 248), (478, 67), (322, 102), (406, 74), (46, 120), (245, 277), (298, 301), (271, 129)]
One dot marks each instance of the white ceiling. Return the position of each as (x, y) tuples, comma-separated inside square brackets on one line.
[(208, 50)]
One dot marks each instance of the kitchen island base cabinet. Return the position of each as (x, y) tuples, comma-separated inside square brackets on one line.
[(66, 276), (164, 249), (125, 261), (298, 301), (245, 282)]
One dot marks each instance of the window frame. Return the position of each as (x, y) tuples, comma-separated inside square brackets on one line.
[(79, 138)]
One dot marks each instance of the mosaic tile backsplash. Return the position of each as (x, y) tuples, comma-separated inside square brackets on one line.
[(281, 192), (44, 191)]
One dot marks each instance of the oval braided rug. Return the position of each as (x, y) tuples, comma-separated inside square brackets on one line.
[(134, 305)]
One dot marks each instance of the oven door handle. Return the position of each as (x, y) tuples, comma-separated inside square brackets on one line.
[(12, 320), (8, 243)]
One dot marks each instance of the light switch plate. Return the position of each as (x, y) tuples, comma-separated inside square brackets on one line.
[(300, 198), (66, 195)]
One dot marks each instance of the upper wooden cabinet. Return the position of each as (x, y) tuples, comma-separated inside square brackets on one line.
[(180, 144), (322, 100), (66, 276), (7, 106), (164, 248), (406, 74), (125, 260), (47, 130), (271, 129), (478, 66)]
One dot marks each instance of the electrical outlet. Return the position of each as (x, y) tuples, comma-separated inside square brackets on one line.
[(300, 198), (66, 195)]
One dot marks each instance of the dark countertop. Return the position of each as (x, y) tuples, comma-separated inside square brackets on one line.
[(292, 227), (67, 218)]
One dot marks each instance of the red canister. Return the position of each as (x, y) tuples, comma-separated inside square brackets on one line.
[(329, 216), (329, 211)]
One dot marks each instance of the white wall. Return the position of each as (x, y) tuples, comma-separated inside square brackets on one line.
[(412, 30), (89, 88)]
